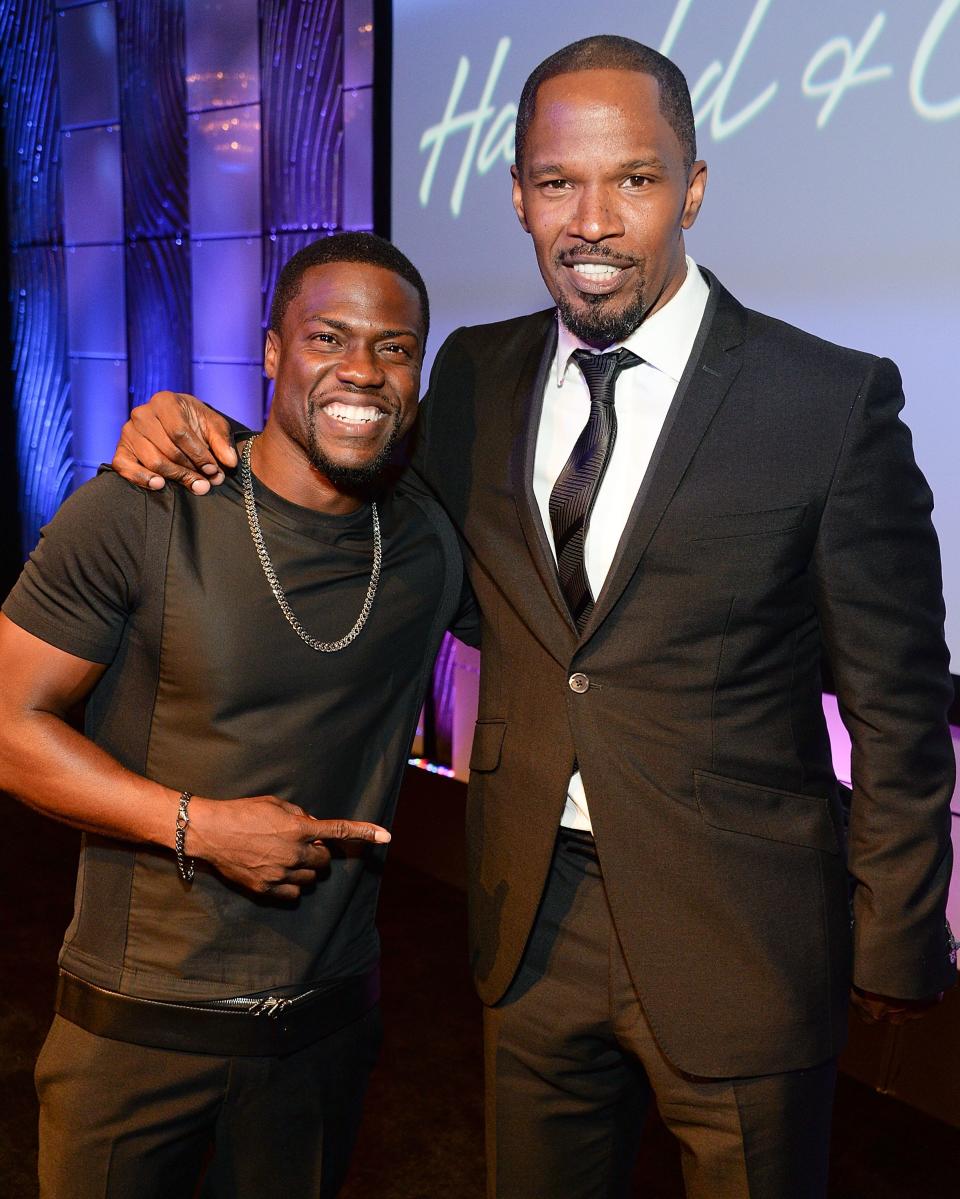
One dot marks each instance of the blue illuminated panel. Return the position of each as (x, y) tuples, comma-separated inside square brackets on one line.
[(92, 185), (99, 400), (95, 309), (223, 53), (236, 388), (87, 44), (225, 172), (357, 43), (226, 301), (358, 159)]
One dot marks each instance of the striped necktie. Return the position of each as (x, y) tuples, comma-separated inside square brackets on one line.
[(575, 490)]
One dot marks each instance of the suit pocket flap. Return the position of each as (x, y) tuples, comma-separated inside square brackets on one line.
[(750, 524), (759, 812), (487, 743)]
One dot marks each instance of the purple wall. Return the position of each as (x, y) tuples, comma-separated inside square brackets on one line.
[(179, 152)]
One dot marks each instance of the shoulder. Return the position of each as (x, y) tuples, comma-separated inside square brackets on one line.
[(499, 339), (83, 578), (105, 515), (768, 333), (779, 349), (106, 493)]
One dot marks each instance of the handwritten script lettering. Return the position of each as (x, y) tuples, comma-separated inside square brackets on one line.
[(484, 134), (946, 109), (850, 73)]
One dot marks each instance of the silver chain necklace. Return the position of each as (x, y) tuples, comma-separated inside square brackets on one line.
[(250, 505)]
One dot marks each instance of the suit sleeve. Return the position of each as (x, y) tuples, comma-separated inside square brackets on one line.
[(423, 462), (425, 473), (879, 595)]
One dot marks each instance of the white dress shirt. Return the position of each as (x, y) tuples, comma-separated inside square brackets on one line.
[(643, 397)]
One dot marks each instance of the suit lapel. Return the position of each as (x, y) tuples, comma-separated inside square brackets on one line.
[(711, 369), (525, 422)]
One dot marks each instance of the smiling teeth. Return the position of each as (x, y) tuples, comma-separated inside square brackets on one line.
[(352, 414), (594, 270)]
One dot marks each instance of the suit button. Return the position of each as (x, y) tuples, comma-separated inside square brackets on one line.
[(579, 683)]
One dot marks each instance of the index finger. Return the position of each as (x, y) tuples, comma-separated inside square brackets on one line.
[(347, 830)]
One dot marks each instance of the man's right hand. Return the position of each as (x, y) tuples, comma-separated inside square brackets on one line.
[(266, 845), (175, 436)]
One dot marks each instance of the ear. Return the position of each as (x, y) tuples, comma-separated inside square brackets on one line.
[(271, 352), (696, 186), (518, 199)]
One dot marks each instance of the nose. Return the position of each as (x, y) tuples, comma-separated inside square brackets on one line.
[(596, 216), (360, 366)]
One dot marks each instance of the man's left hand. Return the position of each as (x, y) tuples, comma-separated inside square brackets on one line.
[(883, 1009)]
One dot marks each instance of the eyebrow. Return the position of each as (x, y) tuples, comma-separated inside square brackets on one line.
[(344, 327), (643, 164), (547, 169), (637, 164)]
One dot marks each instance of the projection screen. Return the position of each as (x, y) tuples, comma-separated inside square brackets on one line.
[(832, 133)]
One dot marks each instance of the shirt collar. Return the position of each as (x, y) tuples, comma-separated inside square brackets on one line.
[(664, 340)]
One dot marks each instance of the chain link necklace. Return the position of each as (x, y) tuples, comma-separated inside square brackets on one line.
[(250, 506)]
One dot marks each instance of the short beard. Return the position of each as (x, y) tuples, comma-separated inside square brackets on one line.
[(600, 328), (350, 478), (595, 324)]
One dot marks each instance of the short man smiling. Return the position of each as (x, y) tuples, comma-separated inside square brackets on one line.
[(253, 667)]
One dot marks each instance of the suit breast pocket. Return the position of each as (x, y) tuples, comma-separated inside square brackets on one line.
[(749, 524)]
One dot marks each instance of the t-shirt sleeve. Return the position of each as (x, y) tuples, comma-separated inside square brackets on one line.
[(80, 585)]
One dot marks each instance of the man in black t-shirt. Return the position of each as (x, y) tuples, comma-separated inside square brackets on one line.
[(253, 667)]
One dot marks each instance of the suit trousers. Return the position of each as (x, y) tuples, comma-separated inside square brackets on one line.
[(572, 1064), (123, 1121)]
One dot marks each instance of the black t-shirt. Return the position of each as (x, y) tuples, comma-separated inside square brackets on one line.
[(209, 689)]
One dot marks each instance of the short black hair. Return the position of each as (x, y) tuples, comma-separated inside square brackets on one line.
[(608, 51), (367, 248)]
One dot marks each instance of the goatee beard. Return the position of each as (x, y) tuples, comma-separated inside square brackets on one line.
[(597, 324), (350, 478)]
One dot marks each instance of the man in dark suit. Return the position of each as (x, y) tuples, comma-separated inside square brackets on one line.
[(671, 508)]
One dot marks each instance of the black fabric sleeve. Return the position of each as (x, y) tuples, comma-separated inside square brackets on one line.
[(81, 583), (877, 573)]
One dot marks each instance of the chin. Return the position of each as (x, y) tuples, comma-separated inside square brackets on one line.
[(352, 471), (598, 322)]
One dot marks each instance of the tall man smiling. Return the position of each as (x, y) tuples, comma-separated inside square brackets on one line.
[(672, 507), (218, 992)]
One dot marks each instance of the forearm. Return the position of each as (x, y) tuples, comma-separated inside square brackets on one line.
[(56, 770)]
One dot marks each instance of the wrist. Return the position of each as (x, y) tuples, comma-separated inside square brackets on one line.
[(198, 843), (185, 863)]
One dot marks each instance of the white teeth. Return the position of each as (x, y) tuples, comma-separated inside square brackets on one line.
[(353, 414), (594, 270)]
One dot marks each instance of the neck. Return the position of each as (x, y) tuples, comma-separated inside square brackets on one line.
[(285, 468)]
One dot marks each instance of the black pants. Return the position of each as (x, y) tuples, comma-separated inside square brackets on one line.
[(122, 1121), (572, 1065)]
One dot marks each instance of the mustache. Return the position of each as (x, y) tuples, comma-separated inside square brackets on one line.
[(601, 253)]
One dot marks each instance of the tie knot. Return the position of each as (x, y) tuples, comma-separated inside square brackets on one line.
[(601, 370)]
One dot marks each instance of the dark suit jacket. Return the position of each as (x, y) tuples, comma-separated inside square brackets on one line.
[(783, 513)]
